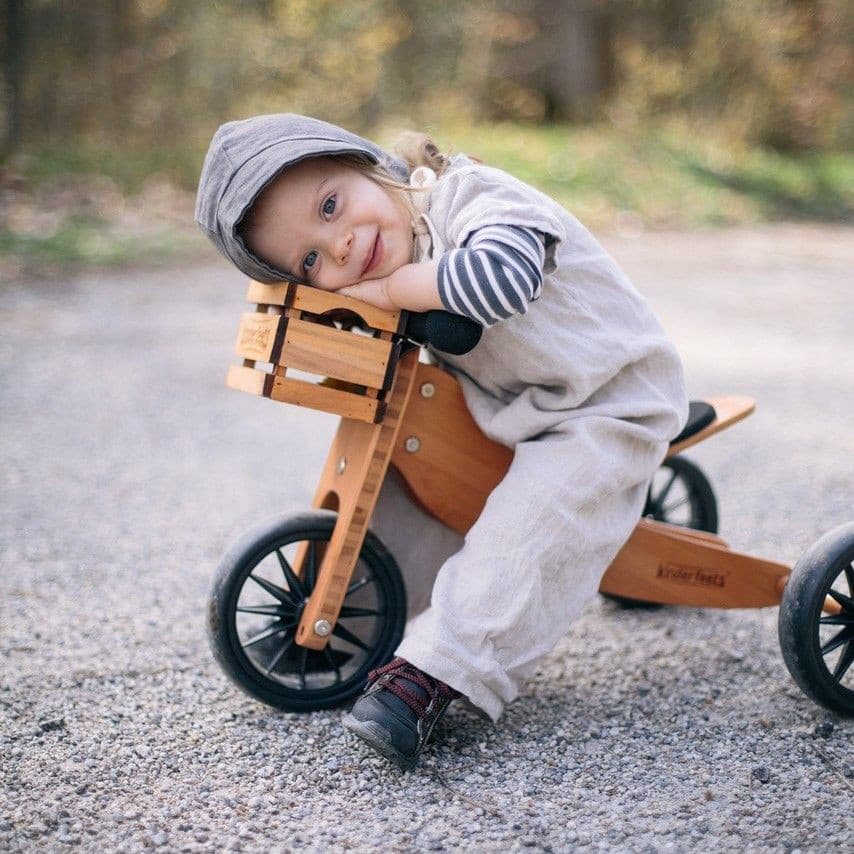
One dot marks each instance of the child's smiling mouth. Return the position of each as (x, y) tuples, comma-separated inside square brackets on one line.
[(375, 256)]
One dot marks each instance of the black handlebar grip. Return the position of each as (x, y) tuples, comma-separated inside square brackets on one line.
[(450, 333)]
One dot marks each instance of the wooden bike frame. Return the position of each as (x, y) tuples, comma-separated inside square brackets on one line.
[(451, 468), (413, 416)]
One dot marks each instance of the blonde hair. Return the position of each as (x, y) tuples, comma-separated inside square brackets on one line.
[(417, 149)]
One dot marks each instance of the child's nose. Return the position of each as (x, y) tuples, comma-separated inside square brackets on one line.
[(342, 247)]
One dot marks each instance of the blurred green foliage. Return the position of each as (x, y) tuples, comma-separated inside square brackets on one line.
[(166, 72), (775, 72), (130, 167), (664, 177), (90, 240)]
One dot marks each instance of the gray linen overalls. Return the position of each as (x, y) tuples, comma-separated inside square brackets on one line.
[(588, 390), (585, 387)]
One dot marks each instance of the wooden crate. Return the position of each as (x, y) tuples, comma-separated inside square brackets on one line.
[(350, 348)]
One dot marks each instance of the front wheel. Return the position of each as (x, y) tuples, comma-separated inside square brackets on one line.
[(816, 621), (258, 597)]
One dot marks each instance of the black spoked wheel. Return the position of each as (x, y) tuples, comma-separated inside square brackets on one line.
[(257, 601), (680, 494), (816, 621)]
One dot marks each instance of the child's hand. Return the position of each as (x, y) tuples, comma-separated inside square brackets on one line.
[(372, 291), (414, 287)]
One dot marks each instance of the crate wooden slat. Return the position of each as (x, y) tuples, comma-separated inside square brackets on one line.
[(301, 393), (314, 301), (246, 379), (256, 336), (335, 353), (333, 400)]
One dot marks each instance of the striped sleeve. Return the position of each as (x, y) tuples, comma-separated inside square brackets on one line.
[(495, 275)]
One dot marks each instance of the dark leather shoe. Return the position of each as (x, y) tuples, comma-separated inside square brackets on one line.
[(398, 711)]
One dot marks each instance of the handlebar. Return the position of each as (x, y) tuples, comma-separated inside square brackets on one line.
[(450, 333)]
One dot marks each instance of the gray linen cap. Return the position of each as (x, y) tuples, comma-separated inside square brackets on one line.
[(244, 156)]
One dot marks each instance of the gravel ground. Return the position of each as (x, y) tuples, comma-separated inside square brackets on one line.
[(128, 468)]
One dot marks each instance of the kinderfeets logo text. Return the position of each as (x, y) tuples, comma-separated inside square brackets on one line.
[(696, 576)]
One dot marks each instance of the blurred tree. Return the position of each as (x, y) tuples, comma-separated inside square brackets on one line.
[(14, 51), (164, 72), (551, 59), (777, 72)]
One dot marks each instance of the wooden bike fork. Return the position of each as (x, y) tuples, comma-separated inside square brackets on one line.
[(350, 483)]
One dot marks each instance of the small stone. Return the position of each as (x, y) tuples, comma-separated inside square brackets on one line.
[(824, 729), (51, 724), (761, 773)]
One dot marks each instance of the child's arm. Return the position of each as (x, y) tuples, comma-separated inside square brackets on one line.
[(414, 287), (495, 275)]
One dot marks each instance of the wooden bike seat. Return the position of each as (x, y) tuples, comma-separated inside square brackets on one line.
[(726, 411)]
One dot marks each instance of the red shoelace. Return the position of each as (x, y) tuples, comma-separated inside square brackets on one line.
[(402, 671)]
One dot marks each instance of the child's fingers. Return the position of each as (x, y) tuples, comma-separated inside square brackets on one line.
[(374, 292)]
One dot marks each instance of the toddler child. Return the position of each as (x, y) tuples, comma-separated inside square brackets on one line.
[(573, 372)]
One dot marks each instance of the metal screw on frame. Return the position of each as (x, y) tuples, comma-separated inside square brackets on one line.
[(322, 628), (412, 444)]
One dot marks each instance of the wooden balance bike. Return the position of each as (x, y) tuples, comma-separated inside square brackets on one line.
[(304, 606)]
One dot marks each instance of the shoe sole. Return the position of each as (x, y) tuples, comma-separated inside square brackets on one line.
[(378, 738)]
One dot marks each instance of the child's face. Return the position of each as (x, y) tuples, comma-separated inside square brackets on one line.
[(331, 225)]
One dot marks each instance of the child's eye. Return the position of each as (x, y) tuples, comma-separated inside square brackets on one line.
[(329, 206), (309, 261)]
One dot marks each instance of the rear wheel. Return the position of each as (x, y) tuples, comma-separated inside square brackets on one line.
[(257, 601), (680, 494)]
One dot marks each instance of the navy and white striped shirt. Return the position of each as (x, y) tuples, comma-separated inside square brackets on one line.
[(494, 275)]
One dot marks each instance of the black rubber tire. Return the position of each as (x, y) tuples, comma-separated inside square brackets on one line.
[(694, 490), (380, 580), (805, 633), (699, 496)]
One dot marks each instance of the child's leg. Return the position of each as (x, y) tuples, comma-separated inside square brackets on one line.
[(535, 557), (419, 543)]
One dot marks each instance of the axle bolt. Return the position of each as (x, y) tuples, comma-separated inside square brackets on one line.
[(322, 628)]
